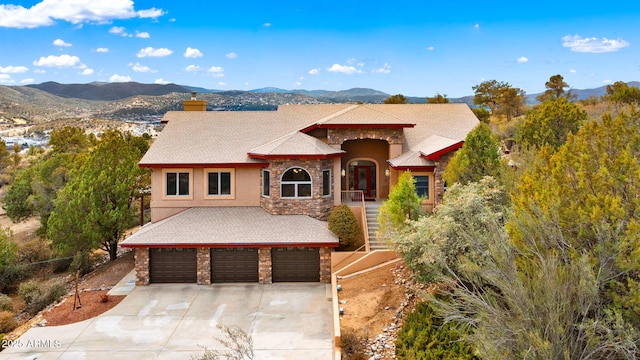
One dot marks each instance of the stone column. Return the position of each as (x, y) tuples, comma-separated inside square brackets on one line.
[(264, 265), (141, 256), (325, 265), (203, 267)]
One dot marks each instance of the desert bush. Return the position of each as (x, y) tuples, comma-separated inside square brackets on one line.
[(238, 344), (7, 321), (37, 295), (12, 273), (352, 344), (343, 223), (6, 304), (61, 265), (33, 250), (424, 336)]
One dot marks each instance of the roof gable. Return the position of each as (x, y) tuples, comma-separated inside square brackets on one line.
[(295, 144)]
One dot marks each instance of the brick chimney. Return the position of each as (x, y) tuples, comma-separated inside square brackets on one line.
[(193, 104)]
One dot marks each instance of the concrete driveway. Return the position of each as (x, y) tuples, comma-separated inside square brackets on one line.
[(175, 321)]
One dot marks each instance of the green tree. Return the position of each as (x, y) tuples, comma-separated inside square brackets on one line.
[(95, 207), (482, 114), (396, 99), (4, 155), (588, 190), (69, 140), (550, 123), (479, 156), (344, 224), (16, 201), (555, 89), (500, 97), (438, 99), (403, 204), (621, 93)]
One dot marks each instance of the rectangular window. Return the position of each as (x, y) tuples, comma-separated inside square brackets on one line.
[(266, 183), (326, 182), (422, 186), (219, 183), (177, 183)]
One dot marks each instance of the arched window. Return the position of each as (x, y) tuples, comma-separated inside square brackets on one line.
[(295, 183)]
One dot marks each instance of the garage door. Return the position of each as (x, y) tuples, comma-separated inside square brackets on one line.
[(172, 265), (295, 264), (234, 265)]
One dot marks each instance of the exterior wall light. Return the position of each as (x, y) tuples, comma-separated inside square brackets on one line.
[(387, 172), (343, 173)]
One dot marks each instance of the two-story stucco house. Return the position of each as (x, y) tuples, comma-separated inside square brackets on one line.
[(244, 196)]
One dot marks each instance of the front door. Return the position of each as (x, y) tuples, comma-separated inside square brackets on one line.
[(362, 179)]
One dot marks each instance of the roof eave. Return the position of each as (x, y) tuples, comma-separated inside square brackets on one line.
[(202, 165), (231, 245), (434, 156)]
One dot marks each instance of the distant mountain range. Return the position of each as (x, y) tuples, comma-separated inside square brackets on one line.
[(133, 101)]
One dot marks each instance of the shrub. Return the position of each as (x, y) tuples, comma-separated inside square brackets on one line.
[(33, 250), (61, 265), (37, 295), (424, 336), (343, 223), (352, 344), (6, 304), (12, 273), (7, 321)]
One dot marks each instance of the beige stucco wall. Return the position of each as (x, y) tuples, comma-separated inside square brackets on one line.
[(245, 191), (372, 150)]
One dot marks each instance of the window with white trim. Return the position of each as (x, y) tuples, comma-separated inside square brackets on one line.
[(326, 182), (219, 183), (266, 183), (295, 183), (177, 183)]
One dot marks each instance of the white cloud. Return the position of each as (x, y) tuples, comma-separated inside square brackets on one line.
[(87, 71), (267, 24), (314, 71), (192, 53), (119, 78), (476, 26), (343, 69), (222, 83), (102, 50), (60, 42), (13, 69), (40, 71), (46, 12), (192, 68), (27, 81), (607, 81), (298, 83), (593, 45), (152, 13), (142, 34), (137, 67), (152, 52), (385, 69), (431, 48), (522, 60), (231, 55), (62, 61), (6, 79), (216, 71), (118, 30), (573, 71), (162, 81)]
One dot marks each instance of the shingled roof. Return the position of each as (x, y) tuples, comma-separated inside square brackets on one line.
[(202, 138), (233, 226)]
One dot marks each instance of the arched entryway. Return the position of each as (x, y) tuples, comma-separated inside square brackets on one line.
[(363, 175)]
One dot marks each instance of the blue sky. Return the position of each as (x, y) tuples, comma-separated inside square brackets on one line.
[(415, 48)]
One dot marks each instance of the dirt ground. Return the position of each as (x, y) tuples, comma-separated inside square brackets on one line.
[(371, 299)]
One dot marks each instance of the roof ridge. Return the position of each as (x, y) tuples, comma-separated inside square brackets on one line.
[(383, 112), (338, 113)]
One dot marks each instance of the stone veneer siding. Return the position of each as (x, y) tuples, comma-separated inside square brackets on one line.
[(264, 266), (141, 257), (203, 266), (441, 164), (325, 265), (338, 136), (317, 206)]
